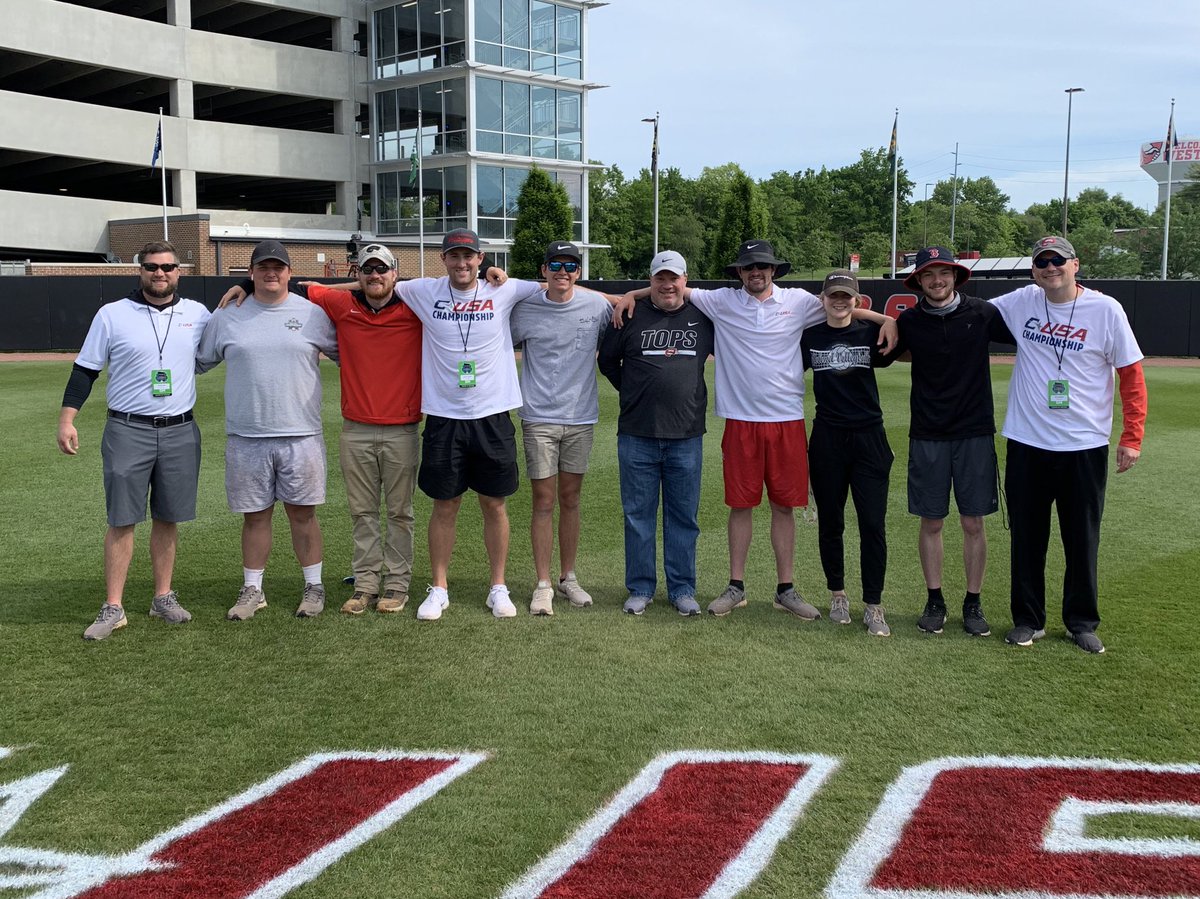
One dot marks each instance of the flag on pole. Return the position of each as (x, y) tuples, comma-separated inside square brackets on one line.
[(1169, 143), (413, 165), (892, 145), (157, 146)]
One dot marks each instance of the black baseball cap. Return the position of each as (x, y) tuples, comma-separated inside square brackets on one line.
[(461, 238), (562, 248), (270, 249)]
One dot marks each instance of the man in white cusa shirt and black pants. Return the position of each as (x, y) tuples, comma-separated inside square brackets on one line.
[(1058, 424)]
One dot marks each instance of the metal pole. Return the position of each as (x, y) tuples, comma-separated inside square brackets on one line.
[(654, 175), (1169, 150), (1070, 92), (954, 200), (420, 187), (925, 239)]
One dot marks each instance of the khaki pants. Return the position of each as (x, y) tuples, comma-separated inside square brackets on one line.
[(380, 460)]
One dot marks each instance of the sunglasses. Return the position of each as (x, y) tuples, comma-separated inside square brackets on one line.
[(756, 267), (1056, 261), (570, 267), (379, 269), (155, 266)]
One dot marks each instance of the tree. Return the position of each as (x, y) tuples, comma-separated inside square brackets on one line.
[(874, 250), (609, 222), (1102, 254), (543, 215), (743, 217)]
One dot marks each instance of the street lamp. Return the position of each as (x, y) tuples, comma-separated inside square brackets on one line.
[(1070, 92), (925, 240), (654, 175)]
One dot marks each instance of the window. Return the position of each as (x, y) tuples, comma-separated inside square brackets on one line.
[(419, 35), (443, 107), (537, 36), (496, 192), (444, 201), (523, 120)]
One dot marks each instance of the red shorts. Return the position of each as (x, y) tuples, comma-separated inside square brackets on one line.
[(770, 452)]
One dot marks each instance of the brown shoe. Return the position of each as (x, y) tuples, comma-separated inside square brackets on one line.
[(358, 603), (392, 601)]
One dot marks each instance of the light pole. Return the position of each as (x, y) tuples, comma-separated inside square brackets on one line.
[(1070, 92), (654, 176), (925, 239)]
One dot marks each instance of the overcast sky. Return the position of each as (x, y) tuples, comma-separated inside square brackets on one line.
[(789, 84)]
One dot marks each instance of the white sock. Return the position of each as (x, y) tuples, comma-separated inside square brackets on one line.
[(567, 575), (543, 583), (312, 573), (253, 577)]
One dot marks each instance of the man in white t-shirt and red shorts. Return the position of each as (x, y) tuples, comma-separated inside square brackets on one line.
[(1069, 339)]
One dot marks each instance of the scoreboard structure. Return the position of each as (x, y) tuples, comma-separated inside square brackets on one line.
[(1186, 156)]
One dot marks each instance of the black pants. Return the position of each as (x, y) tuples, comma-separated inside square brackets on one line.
[(858, 461), (1074, 481)]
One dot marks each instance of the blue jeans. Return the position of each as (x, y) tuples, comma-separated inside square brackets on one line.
[(649, 465)]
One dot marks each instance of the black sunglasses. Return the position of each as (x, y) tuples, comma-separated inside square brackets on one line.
[(563, 266), (1044, 261), (379, 269), (155, 266), (756, 267)]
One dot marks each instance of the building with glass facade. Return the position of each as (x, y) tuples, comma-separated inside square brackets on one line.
[(465, 96)]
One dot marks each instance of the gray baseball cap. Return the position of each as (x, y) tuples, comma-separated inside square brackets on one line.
[(378, 252), (1058, 244), (668, 261)]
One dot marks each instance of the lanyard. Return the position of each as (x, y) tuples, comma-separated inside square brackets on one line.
[(160, 344), (458, 321), (1060, 352)]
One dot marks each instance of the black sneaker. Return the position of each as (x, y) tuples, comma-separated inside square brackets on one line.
[(973, 621), (933, 619), (1022, 635)]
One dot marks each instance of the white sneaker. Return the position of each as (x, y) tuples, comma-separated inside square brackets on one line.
[(576, 595), (543, 601), (436, 600), (500, 603)]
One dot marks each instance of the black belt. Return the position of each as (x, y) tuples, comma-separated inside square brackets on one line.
[(155, 421)]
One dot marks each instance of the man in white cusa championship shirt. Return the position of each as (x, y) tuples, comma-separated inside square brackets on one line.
[(1070, 338)]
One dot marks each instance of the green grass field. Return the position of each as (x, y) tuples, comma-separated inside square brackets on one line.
[(159, 723)]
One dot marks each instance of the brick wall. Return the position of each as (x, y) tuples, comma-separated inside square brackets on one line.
[(93, 268)]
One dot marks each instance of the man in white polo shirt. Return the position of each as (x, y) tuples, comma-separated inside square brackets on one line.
[(760, 394), (151, 445)]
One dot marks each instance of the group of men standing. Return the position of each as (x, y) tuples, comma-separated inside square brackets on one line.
[(443, 347)]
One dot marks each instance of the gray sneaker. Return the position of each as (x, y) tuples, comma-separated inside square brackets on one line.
[(110, 618), (636, 605), (250, 600), (1088, 642), (873, 619), (313, 603), (732, 598), (839, 609), (167, 608), (1023, 635), (686, 606), (791, 601), (576, 595)]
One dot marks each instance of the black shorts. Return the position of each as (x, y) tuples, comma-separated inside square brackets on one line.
[(969, 465), (477, 454)]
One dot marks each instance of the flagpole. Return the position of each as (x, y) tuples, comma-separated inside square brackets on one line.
[(895, 187), (421, 187), (1169, 150), (163, 157)]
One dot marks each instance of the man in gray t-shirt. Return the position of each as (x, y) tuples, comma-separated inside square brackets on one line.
[(558, 333), (275, 448)]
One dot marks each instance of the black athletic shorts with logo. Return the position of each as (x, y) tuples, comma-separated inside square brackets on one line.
[(477, 454)]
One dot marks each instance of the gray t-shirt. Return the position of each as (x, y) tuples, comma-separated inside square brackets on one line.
[(558, 365), (272, 385)]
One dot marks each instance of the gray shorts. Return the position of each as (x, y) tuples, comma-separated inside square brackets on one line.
[(969, 465), (262, 470), (161, 463), (550, 449)]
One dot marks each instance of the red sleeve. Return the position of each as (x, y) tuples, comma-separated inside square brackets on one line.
[(330, 300), (1133, 405)]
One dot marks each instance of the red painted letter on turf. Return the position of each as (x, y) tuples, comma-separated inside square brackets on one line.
[(997, 827), (284, 832), (691, 824)]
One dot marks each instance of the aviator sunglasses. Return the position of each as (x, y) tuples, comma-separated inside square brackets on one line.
[(155, 266), (378, 269), (1044, 261), (569, 267)]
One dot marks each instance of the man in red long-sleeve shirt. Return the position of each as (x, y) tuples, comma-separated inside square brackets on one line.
[(1069, 339)]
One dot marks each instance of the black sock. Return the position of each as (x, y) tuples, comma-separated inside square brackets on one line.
[(971, 599), (783, 587), (935, 596), (741, 585)]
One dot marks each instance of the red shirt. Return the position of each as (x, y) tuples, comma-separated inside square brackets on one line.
[(380, 357)]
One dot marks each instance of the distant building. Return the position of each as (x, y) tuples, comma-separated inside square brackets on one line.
[(1154, 164), (285, 119)]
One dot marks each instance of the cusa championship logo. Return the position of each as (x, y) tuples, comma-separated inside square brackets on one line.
[(690, 824)]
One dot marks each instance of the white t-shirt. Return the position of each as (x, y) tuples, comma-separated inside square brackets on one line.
[(760, 369), (1093, 337), (466, 326), (125, 337)]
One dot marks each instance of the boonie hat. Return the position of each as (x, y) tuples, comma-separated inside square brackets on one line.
[(752, 251), (668, 261), (376, 251), (270, 249), (936, 256)]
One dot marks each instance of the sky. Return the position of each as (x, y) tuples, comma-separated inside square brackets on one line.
[(787, 85)]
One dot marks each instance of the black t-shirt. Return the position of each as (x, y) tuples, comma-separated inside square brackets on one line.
[(656, 362), (843, 362)]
